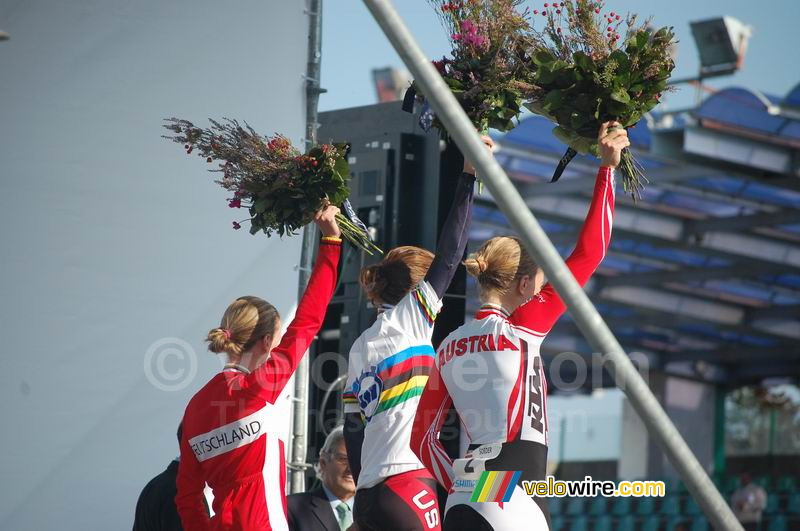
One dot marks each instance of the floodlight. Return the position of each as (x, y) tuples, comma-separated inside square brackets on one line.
[(722, 43)]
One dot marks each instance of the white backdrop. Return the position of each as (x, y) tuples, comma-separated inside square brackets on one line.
[(113, 239)]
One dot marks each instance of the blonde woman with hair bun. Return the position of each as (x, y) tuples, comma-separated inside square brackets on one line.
[(226, 425), (502, 404)]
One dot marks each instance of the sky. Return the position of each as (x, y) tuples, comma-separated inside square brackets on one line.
[(353, 44)]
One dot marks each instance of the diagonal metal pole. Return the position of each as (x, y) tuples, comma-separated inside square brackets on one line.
[(536, 242)]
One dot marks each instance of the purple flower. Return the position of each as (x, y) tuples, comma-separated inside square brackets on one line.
[(235, 203), (236, 226)]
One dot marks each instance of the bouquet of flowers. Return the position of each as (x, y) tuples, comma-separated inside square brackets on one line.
[(589, 73), (281, 187), (487, 71)]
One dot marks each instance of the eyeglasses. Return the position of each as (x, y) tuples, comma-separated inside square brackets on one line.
[(339, 458)]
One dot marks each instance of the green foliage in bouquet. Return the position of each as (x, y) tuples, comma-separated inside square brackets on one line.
[(487, 71), (280, 187), (589, 74)]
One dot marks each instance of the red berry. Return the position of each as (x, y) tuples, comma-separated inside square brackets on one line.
[(314, 163), (562, 4), (559, 30), (612, 13), (535, 11), (597, 11), (558, 11), (547, 5), (544, 13), (617, 17), (208, 159)]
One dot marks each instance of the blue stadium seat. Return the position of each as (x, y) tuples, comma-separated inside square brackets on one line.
[(598, 506), (778, 523), (580, 523), (670, 506), (556, 505), (602, 523), (651, 523), (626, 523), (793, 505), (786, 484), (674, 522), (763, 482), (646, 506), (773, 503), (575, 506), (622, 507), (557, 523), (699, 524), (692, 508)]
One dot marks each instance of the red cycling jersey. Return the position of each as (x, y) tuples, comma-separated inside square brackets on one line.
[(226, 441), (490, 369)]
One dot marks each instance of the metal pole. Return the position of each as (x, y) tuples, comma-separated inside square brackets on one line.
[(298, 463), (536, 242)]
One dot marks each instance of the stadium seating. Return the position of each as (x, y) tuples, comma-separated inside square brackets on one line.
[(664, 514)]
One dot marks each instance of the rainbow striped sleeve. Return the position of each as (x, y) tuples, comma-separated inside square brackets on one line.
[(349, 398), (404, 375), (425, 306), (495, 486)]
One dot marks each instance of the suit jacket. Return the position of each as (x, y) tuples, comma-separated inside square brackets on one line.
[(311, 511), (155, 510)]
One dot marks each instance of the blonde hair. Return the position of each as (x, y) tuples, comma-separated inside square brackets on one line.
[(246, 321), (393, 277), (499, 262)]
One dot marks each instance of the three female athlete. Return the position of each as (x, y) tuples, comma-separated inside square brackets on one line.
[(226, 441), (389, 364), (491, 371)]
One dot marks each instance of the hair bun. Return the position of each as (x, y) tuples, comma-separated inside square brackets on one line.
[(482, 265)]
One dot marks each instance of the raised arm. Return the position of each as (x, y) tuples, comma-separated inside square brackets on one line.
[(455, 231), (542, 311), (270, 378), (432, 410)]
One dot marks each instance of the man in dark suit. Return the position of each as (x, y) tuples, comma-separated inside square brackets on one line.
[(155, 510), (329, 507)]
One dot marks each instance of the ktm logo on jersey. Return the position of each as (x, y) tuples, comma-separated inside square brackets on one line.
[(482, 343)]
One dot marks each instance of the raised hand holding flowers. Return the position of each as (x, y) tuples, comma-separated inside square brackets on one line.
[(282, 189), (589, 74), (485, 72)]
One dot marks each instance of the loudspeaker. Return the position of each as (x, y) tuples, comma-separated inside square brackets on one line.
[(402, 184)]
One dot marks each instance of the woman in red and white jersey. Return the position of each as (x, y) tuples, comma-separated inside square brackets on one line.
[(491, 371), (226, 440)]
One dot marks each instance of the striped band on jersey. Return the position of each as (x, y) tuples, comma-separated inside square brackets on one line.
[(495, 486), (404, 375), (349, 398), (425, 307)]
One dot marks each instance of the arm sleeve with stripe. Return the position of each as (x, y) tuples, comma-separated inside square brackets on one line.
[(541, 313), (432, 410), (454, 236), (269, 379)]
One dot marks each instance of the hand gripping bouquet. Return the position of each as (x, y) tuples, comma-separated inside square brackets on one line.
[(589, 73), (487, 71), (280, 187)]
